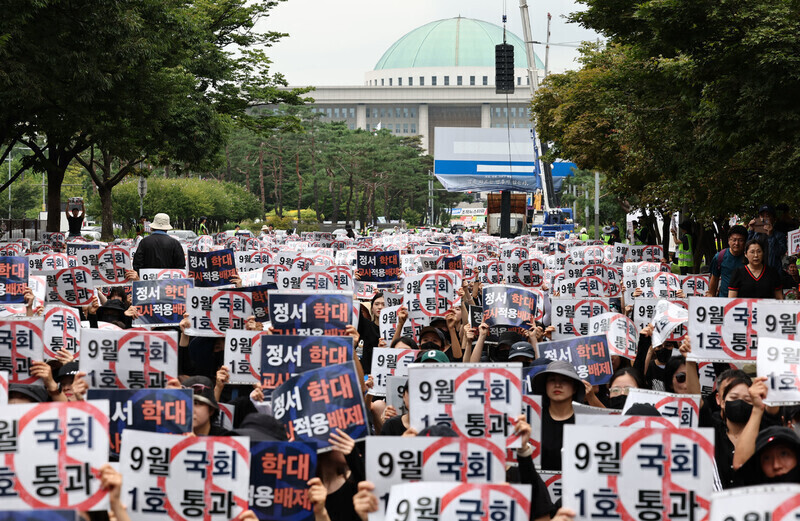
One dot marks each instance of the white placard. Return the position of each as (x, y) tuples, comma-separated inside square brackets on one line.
[(683, 406), (212, 312)]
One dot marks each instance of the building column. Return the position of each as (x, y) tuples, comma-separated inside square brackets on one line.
[(486, 116), (422, 125), (361, 116)]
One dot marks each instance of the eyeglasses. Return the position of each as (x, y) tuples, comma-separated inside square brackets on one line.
[(616, 391), (680, 377), (197, 388)]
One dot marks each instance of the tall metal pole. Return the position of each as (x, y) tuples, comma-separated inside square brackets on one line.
[(574, 203), (586, 207), (9, 192), (547, 49), (430, 198), (596, 205), (533, 77)]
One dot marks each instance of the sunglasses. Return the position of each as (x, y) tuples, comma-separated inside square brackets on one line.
[(197, 388), (680, 377)]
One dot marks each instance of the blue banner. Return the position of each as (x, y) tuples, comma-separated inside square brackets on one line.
[(283, 356), (213, 268), (451, 263), (152, 410), (13, 279), (378, 266), (589, 355), (260, 296), (160, 302), (279, 471), (313, 404), (508, 306), (320, 313)]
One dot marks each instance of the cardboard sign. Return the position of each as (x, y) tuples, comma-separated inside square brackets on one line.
[(177, 477), (388, 362), (407, 460), (621, 333), (666, 285), (450, 501), (62, 331), (150, 410), (160, 302), (315, 403), (161, 274), (21, 342), (52, 455), (112, 264), (212, 312), (667, 317), (388, 324), (695, 285), (395, 388), (793, 240), (609, 471), (49, 263), (777, 319), (644, 309), (128, 359), (320, 313), (279, 472), (431, 294), (13, 279), (571, 316), (213, 268), (243, 356), (530, 273), (284, 356), (509, 306), (616, 419), (589, 355), (475, 400), (761, 503), (378, 266), (683, 406), (779, 361), (723, 329), (71, 287)]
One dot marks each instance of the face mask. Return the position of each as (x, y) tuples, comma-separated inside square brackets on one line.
[(793, 476), (663, 355), (617, 402), (738, 411), (427, 346)]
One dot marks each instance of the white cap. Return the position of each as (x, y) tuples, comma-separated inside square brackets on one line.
[(160, 222)]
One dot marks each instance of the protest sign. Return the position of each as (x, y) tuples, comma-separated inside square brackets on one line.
[(425, 501), (224, 420), (760, 503), (431, 294), (667, 316), (475, 400), (589, 355), (412, 459), (53, 453), (638, 473), (393, 298), (388, 362), (319, 313), (112, 264), (793, 241), (284, 356), (552, 480), (683, 406), (251, 259), (489, 272), (128, 359), (212, 312), (571, 316), (666, 285), (722, 329), (530, 272), (213, 268), (161, 274), (4, 387), (378, 266), (508, 306), (779, 361), (616, 419), (621, 333), (395, 388), (21, 342), (532, 409), (160, 302), (48, 263), (315, 403), (644, 310), (62, 331), (450, 263), (279, 472), (388, 324), (178, 477), (695, 285), (71, 286), (243, 355), (13, 279), (777, 319), (151, 410)]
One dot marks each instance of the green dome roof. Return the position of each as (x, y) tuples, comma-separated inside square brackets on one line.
[(453, 42)]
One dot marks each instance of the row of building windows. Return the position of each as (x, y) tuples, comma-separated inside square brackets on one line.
[(399, 128), (521, 112), (435, 81), (513, 125), (336, 112), (397, 112)]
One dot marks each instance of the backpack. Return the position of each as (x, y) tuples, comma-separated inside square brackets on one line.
[(720, 256)]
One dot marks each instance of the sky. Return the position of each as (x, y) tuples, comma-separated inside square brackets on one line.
[(334, 42)]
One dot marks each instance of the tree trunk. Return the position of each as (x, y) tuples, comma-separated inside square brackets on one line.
[(665, 235), (261, 177), (316, 201), (371, 204), (299, 190), (387, 208), (106, 212), (348, 213), (362, 206), (55, 176), (227, 173)]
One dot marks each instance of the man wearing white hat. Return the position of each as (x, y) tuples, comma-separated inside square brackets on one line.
[(159, 250)]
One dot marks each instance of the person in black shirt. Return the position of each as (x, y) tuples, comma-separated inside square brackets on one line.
[(75, 220), (755, 279), (159, 250), (204, 408)]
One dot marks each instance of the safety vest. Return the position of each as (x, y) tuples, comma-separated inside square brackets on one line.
[(584, 236), (203, 229), (637, 237), (685, 256), (606, 238)]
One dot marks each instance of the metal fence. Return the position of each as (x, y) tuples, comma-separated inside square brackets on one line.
[(13, 229)]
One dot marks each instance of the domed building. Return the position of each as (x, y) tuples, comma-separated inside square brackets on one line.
[(438, 75)]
